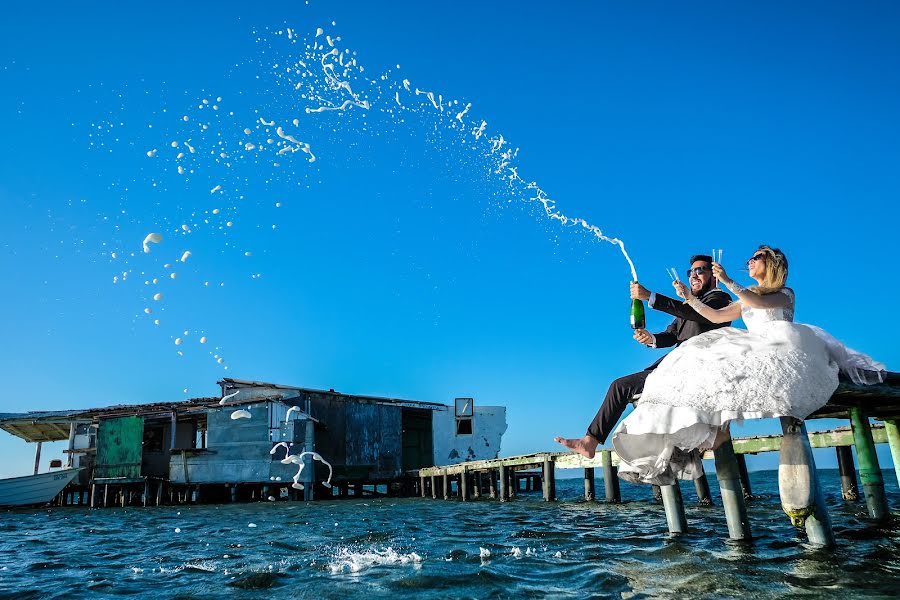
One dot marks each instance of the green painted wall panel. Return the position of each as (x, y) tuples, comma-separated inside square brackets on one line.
[(119, 448)]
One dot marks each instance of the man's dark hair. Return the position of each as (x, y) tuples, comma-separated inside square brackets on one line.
[(703, 257)]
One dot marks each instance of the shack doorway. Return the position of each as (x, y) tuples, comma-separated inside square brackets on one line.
[(119, 448), (418, 446)]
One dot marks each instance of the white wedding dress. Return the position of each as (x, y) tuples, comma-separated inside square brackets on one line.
[(774, 368)]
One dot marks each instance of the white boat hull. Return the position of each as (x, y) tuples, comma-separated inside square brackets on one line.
[(34, 489)]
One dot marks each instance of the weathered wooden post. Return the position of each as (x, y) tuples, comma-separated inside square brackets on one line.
[(504, 483), (446, 478), (37, 457), (433, 487), (549, 479), (422, 485), (464, 486), (476, 489), (701, 484), (610, 477), (869, 471), (849, 489), (801, 497), (732, 495), (511, 484), (589, 494), (745, 476), (492, 476), (146, 492), (893, 436), (93, 495), (657, 493), (674, 506)]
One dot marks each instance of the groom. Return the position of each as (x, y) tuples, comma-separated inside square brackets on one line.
[(686, 325)]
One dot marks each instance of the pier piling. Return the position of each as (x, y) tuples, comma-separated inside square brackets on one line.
[(869, 471), (849, 488), (745, 476), (589, 494), (728, 474), (674, 506), (801, 496), (504, 483), (610, 477), (549, 480), (464, 486), (893, 436), (701, 485), (446, 485)]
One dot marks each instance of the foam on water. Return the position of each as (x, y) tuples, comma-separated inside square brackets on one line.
[(355, 561)]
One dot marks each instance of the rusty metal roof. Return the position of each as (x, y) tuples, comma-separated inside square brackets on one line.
[(53, 426), (230, 383)]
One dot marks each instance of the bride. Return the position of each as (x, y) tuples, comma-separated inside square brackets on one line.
[(774, 368)]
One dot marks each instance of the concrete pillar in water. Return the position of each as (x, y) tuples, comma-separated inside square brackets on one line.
[(422, 486), (511, 483), (105, 494), (745, 476), (464, 486), (159, 491), (589, 494), (476, 489), (674, 505), (492, 479), (893, 436), (610, 477), (93, 494), (549, 479), (801, 497), (849, 489), (504, 483), (146, 498), (701, 484), (729, 477), (446, 485), (433, 488), (309, 443), (869, 471)]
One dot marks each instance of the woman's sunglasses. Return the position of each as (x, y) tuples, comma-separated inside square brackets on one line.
[(756, 257)]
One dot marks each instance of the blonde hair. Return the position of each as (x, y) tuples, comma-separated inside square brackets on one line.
[(776, 271)]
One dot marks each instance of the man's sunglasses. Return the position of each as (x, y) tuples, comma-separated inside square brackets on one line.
[(756, 257), (697, 270)]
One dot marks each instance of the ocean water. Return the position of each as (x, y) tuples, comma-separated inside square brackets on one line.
[(424, 548)]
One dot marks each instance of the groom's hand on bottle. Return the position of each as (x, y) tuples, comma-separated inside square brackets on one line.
[(643, 336), (639, 292)]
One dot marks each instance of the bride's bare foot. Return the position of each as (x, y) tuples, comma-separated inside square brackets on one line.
[(586, 446)]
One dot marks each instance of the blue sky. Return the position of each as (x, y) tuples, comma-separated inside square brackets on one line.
[(400, 264)]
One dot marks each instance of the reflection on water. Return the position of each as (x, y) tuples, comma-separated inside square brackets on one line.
[(435, 549)]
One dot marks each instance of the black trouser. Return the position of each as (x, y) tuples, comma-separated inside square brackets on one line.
[(620, 393)]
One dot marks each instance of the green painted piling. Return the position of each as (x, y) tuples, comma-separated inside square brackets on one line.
[(893, 436), (869, 471)]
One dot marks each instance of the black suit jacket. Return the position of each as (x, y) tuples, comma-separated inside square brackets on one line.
[(688, 321)]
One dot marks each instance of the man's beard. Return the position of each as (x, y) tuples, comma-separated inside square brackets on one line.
[(705, 288)]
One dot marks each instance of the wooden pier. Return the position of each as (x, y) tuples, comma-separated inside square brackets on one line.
[(801, 495)]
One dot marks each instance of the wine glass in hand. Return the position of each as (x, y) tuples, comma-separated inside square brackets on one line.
[(681, 289)]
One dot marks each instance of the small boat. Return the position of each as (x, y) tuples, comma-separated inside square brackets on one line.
[(34, 489)]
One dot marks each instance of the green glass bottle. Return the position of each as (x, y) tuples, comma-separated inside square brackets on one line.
[(637, 315)]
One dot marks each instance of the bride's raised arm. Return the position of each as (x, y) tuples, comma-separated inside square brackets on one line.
[(749, 297), (732, 312)]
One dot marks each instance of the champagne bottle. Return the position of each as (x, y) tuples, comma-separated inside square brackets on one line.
[(637, 315)]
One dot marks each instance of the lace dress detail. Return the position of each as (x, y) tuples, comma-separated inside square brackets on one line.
[(773, 368)]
